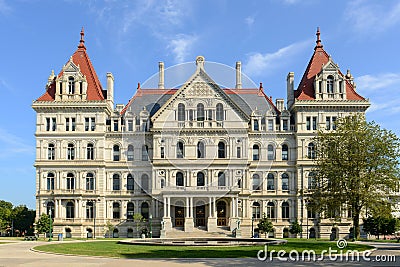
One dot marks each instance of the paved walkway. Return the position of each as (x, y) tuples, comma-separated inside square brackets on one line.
[(19, 254)]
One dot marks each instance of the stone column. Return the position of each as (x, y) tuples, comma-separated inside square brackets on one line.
[(212, 219), (189, 224)]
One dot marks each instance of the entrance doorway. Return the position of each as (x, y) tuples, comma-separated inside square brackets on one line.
[(201, 215), (179, 216), (221, 213)]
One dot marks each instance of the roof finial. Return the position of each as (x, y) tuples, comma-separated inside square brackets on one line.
[(82, 40), (319, 45)]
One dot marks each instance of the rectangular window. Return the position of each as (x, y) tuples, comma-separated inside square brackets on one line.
[(53, 124), (333, 123), (210, 115), (90, 124), (191, 115), (47, 124), (86, 124), (328, 123), (270, 125), (130, 125), (162, 152), (285, 125), (314, 123), (93, 124), (73, 125), (238, 152), (115, 125), (67, 124), (308, 123)]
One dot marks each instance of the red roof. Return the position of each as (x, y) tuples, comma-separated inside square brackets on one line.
[(306, 90), (81, 58)]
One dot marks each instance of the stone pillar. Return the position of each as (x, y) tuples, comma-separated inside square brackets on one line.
[(189, 224), (212, 219)]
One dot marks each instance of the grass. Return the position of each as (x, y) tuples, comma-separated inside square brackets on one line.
[(112, 249)]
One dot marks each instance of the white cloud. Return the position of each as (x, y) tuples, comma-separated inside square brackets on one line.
[(366, 17), (249, 20), (258, 63), (374, 82), (12, 144), (181, 46), (5, 85)]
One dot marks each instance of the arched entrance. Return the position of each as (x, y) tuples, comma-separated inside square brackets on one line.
[(201, 214), (312, 233), (221, 213), (89, 233), (179, 214), (68, 233)]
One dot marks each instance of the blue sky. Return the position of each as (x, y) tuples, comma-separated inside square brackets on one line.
[(129, 38)]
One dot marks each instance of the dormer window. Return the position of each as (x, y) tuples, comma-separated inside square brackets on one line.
[(256, 126), (200, 112), (219, 112), (71, 85), (181, 112), (329, 86)]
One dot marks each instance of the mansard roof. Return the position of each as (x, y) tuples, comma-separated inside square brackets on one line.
[(319, 59), (79, 58)]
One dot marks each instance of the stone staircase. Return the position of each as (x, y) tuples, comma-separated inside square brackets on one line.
[(199, 232)]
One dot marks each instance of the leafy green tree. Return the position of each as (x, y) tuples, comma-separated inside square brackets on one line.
[(357, 166), (138, 219), (109, 229), (5, 214), (265, 225), (43, 224), (295, 228), (23, 219)]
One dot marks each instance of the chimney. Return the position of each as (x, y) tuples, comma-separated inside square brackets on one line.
[(110, 87), (290, 89), (160, 75), (238, 75), (279, 104)]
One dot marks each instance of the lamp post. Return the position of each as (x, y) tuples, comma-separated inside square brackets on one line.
[(252, 227), (150, 221), (51, 225), (94, 220)]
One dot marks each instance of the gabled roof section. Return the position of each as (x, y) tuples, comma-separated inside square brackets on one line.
[(81, 59), (319, 59)]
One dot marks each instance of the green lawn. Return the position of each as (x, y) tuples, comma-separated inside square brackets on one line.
[(112, 249)]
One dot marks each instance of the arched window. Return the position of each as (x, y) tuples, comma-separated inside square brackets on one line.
[(311, 151), (285, 210), (270, 182), (70, 181), (179, 179), (201, 150), (145, 182), (71, 152), (50, 209), (90, 181), (180, 150), (181, 112), (51, 152), (221, 150), (270, 210), (256, 182), (256, 152), (90, 152), (256, 210), (89, 210), (311, 180), (200, 179), (271, 152), (200, 112), (221, 179), (145, 153), (50, 181), (256, 126), (145, 210), (329, 84), (130, 153), (116, 154), (130, 210), (285, 182), (220, 112), (130, 185), (116, 182), (71, 85), (285, 152), (70, 210), (116, 210)]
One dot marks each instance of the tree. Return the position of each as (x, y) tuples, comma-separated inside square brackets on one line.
[(295, 228), (43, 224), (265, 225), (357, 166), (23, 219), (381, 225), (5, 214), (109, 229), (138, 219)]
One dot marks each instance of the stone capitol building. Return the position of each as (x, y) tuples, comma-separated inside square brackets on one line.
[(195, 160)]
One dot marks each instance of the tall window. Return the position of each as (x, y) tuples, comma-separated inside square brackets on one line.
[(116, 154), (311, 151), (71, 85), (116, 182), (70, 210), (90, 124), (238, 152), (70, 151), (180, 152), (181, 112), (270, 125), (221, 150), (162, 152), (256, 126), (130, 185), (285, 152), (50, 209), (145, 182), (70, 181), (285, 182), (130, 210), (130, 153), (311, 180), (329, 85), (270, 210), (90, 152), (270, 152), (256, 210), (314, 123), (256, 152), (200, 112), (116, 210), (89, 210), (50, 181), (179, 179), (256, 182), (145, 210), (201, 150), (200, 179), (51, 124), (220, 112), (51, 152), (270, 182), (221, 179), (285, 210), (90, 181), (115, 125), (145, 154), (308, 123)]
